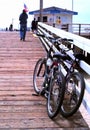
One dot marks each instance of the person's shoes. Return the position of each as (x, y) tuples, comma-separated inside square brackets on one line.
[(20, 38), (24, 40)]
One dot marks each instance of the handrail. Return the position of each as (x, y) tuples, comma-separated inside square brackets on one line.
[(77, 28), (79, 42)]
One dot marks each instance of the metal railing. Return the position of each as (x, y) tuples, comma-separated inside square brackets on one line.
[(79, 29), (79, 42)]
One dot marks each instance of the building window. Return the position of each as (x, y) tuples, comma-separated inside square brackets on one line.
[(38, 19), (44, 18)]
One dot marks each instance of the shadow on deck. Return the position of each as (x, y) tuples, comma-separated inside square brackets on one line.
[(19, 109)]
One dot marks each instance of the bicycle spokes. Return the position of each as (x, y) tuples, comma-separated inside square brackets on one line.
[(73, 95)]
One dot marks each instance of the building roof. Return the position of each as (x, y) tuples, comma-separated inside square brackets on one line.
[(54, 10)]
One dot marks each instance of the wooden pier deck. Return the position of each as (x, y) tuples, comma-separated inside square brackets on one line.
[(19, 109)]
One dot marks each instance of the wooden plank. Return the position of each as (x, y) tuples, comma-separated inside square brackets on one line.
[(19, 108)]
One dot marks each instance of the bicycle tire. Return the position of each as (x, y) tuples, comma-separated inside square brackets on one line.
[(55, 96), (38, 75), (74, 92)]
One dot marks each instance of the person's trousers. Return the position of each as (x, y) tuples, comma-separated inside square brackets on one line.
[(23, 29)]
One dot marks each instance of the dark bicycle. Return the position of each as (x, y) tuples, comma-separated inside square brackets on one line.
[(47, 80), (64, 92), (74, 83)]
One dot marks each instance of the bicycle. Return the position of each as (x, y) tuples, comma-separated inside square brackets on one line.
[(74, 84), (62, 92), (47, 79)]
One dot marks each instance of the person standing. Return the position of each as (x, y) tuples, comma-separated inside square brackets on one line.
[(34, 25), (23, 24)]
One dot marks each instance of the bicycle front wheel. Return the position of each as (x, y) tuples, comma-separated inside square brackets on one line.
[(39, 75), (74, 92), (56, 94)]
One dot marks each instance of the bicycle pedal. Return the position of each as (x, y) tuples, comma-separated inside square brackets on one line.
[(42, 92), (34, 94)]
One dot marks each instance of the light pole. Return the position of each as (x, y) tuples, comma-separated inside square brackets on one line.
[(72, 5), (41, 10), (72, 10)]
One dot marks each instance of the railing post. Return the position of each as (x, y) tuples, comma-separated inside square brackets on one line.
[(67, 28), (79, 29)]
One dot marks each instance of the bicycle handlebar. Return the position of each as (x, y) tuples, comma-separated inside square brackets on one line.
[(52, 39), (64, 55)]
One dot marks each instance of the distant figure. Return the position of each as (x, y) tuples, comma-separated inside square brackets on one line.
[(34, 25), (23, 24), (11, 27), (6, 28)]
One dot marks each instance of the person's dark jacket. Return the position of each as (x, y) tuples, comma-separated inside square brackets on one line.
[(23, 18)]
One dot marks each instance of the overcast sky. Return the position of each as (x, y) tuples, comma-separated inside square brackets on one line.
[(11, 9)]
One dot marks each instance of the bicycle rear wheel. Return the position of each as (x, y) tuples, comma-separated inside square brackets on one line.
[(74, 92), (56, 94), (39, 75)]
